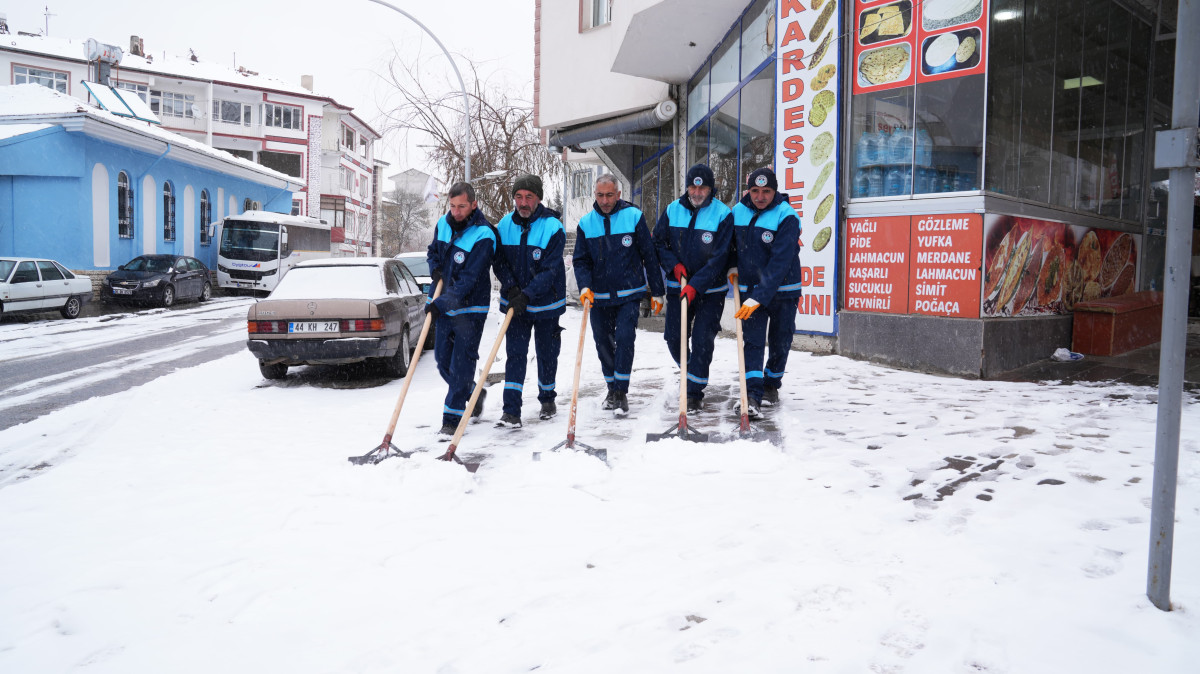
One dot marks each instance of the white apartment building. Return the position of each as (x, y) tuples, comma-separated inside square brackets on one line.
[(286, 127)]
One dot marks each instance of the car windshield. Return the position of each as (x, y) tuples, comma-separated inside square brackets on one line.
[(151, 264), (417, 264), (256, 242), (6, 267), (332, 282)]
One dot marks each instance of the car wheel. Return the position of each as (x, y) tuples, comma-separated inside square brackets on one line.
[(168, 296), (72, 308), (273, 371), (397, 365), (206, 294)]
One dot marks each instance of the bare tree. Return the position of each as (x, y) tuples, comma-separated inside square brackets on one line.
[(403, 223), (503, 137)]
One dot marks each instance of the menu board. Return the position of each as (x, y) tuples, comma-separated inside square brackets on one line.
[(877, 264), (946, 265), (899, 42), (1034, 267), (806, 157)]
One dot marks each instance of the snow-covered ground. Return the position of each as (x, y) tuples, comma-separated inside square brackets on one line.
[(227, 532)]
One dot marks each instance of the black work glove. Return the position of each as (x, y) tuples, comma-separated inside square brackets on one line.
[(517, 301), (433, 309), (434, 279)]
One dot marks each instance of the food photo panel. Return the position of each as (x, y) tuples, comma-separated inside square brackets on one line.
[(951, 39)]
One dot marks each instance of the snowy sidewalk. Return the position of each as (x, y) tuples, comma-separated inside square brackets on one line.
[(910, 523)]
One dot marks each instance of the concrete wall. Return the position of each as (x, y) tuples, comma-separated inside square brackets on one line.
[(577, 84)]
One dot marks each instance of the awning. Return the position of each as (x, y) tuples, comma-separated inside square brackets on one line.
[(670, 39), (598, 134)]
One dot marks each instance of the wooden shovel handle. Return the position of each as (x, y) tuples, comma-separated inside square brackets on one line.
[(575, 384), (466, 417), (412, 367)]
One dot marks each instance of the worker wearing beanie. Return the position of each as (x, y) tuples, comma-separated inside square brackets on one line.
[(615, 267), (692, 238), (533, 282), (766, 255)]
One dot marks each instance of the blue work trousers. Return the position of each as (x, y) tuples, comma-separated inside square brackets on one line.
[(770, 328), (546, 343), (614, 328), (456, 350), (704, 322)]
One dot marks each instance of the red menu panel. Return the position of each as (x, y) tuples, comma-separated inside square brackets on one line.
[(947, 261), (877, 264), (951, 39), (884, 44)]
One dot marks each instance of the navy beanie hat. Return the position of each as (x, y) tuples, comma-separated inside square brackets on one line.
[(528, 182), (763, 177), (700, 174)]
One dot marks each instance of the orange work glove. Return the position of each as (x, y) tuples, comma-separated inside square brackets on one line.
[(746, 309), (656, 305), (733, 275), (586, 296)]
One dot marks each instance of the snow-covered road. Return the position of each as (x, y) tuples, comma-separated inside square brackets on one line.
[(909, 523)]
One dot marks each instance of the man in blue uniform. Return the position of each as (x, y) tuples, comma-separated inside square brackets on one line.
[(533, 282), (615, 267), (766, 250), (460, 255), (692, 238)]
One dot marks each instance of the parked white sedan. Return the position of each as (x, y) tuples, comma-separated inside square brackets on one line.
[(31, 285)]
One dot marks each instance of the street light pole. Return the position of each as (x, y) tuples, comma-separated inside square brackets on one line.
[(466, 104)]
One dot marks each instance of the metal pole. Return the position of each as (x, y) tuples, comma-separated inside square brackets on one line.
[(1185, 115), (461, 86)]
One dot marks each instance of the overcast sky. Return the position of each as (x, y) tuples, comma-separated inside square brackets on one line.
[(342, 45)]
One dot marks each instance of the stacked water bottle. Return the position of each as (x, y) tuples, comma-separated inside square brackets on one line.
[(885, 166)]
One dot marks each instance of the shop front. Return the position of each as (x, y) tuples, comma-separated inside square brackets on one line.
[(997, 175)]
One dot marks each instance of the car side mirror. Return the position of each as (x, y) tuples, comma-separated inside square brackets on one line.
[(120, 267)]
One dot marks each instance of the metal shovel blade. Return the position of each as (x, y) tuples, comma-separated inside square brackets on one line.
[(471, 466), (383, 451), (601, 454), (681, 431)]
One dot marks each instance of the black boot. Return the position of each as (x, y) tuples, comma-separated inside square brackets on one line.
[(620, 403), (770, 396), (479, 404), (509, 421), (610, 401), (694, 405), (549, 409)]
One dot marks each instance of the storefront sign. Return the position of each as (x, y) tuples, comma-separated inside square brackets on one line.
[(877, 264), (951, 39), (806, 160), (884, 44), (1034, 267), (946, 265)]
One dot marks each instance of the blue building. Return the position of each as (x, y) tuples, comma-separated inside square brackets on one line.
[(93, 190)]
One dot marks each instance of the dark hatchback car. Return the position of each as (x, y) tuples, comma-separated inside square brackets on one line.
[(158, 279)]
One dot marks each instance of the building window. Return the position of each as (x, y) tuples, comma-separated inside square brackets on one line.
[(232, 112), (297, 205), (205, 216), (581, 184), (594, 13), (347, 137), (282, 116), (364, 146), (347, 179), (287, 163), (362, 186), (141, 90), (51, 79), (124, 206), (247, 205), (170, 104), (168, 212)]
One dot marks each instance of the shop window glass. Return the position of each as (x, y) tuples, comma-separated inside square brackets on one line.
[(723, 151), (945, 147), (757, 122), (1004, 96), (650, 191), (1037, 100), (1135, 120), (725, 76), (874, 117), (697, 147), (698, 98), (757, 26), (1068, 84)]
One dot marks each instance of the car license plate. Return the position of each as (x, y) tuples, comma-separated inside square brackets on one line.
[(122, 291), (313, 326)]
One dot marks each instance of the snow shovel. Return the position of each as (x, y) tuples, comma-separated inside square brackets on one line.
[(682, 431), (466, 417), (744, 430), (386, 449), (570, 443)]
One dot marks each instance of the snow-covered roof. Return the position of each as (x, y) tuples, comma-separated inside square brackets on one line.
[(30, 107)]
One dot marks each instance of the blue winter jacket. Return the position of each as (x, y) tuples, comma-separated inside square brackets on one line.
[(697, 238), (614, 256), (766, 249), (530, 257), (463, 259)]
